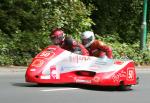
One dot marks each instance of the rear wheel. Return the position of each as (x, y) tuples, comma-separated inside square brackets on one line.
[(42, 84), (137, 80), (123, 87)]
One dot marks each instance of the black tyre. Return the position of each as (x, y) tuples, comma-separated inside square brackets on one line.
[(137, 80), (125, 87)]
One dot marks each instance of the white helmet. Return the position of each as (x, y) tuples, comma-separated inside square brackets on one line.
[(87, 38)]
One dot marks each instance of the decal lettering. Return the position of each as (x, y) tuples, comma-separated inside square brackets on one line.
[(116, 76), (45, 54), (45, 77), (54, 73), (79, 58), (130, 74), (83, 81)]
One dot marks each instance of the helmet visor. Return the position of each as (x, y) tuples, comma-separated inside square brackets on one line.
[(57, 39), (86, 41)]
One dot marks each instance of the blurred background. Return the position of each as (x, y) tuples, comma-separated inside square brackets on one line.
[(25, 26)]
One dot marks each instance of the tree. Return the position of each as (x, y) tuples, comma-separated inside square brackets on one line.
[(118, 17), (25, 25), (71, 15)]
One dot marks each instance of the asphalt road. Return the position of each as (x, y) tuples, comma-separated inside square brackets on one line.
[(13, 89)]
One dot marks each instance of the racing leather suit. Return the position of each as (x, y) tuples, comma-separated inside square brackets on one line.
[(99, 49)]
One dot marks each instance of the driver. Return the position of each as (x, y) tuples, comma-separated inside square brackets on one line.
[(58, 38), (95, 47)]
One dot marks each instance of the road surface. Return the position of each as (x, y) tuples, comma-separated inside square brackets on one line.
[(14, 89)]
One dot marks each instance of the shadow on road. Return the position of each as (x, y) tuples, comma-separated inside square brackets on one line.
[(24, 85), (81, 86)]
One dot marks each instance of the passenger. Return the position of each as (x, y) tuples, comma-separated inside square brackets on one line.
[(95, 47)]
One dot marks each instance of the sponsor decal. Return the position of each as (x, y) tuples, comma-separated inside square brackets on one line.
[(54, 73), (47, 54), (79, 58), (37, 63), (82, 81), (45, 77), (130, 73), (51, 73), (32, 69), (116, 76)]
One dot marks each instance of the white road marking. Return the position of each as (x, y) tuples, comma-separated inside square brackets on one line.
[(60, 89)]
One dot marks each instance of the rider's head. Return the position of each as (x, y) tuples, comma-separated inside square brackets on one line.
[(57, 36), (87, 38)]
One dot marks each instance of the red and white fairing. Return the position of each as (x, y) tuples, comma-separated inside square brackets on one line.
[(55, 65)]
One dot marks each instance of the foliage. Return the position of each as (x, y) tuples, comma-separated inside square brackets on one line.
[(71, 15), (121, 16), (148, 41), (26, 24), (4, 51), (127, 50)]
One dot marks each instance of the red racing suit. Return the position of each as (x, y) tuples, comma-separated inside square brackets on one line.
[(99, 49)]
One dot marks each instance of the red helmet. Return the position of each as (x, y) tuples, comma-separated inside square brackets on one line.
[(57, 36)]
